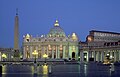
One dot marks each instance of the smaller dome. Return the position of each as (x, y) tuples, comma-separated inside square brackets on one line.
[(27, 36), (74, 37)]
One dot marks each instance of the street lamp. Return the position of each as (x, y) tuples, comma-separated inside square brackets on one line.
[(35, 53), (45, 56), (4, 56)]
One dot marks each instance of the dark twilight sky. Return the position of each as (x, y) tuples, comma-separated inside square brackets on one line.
[(37, 17)]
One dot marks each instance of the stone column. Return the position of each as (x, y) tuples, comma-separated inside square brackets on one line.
[(47, 50), (31, 52), (99, 57), (24, 53), (81, 56), (111, 55), (105, 53), (69, 56), (37, 51), (94, 53), (56, 51), (66, 52), (8, 56), (102, 55), (119, 54), (0, 56), (76, 52), (52, 53), (42, 51), (88, 55), (63, 52), (114, 55)]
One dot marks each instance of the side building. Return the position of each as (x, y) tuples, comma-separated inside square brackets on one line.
[(100, 45), (55, 44), (6, 54)]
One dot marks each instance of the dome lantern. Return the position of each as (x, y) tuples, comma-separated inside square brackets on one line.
[(56, 23)]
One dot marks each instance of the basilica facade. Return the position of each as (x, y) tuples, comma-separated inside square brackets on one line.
[(56, 44)]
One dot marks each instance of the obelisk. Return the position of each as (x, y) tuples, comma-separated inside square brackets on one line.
[(16, 36)]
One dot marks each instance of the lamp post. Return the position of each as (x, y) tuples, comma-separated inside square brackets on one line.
[(45, 56), (35, 53), (4, 56)]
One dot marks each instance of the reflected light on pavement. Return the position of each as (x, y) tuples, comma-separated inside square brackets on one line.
[(85, 69), (45, 69)]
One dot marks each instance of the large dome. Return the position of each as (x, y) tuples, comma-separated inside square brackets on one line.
[(56, 31)]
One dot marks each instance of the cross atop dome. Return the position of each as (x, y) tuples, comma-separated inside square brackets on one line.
[(56, 23)]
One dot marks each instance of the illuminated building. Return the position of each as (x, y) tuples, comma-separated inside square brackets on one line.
[(104, 36), (6, 54), (55, 44), (100, 45)]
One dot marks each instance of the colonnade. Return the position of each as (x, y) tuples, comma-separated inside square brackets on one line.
[(100, 55)]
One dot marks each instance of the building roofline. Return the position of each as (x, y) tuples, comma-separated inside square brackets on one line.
[(105, 32), (82, 42)]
